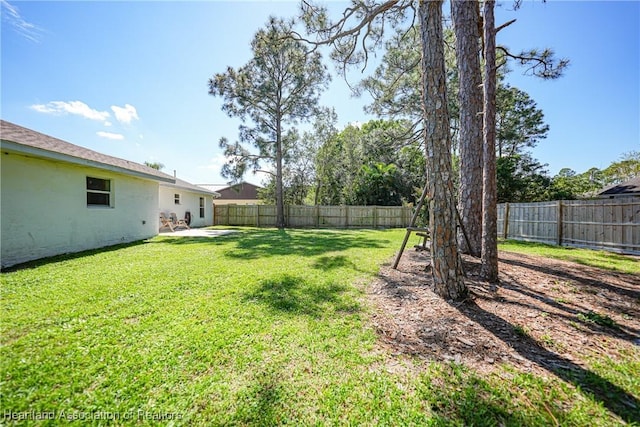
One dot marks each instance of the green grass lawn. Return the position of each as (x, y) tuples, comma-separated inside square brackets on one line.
[(262, 327)]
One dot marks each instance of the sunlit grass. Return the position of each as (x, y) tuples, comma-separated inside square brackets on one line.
[(261, 327)]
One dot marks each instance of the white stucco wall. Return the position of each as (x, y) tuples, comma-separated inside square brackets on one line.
[(189, 201), (44, 209)]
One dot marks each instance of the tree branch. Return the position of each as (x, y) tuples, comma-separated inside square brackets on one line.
[(544, 64), (369, 17), (256, 157), (264, 171), (348, 40), (505, 25)]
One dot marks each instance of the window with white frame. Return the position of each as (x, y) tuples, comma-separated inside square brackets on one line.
[(201, 207), (99, 192), (176, 199)]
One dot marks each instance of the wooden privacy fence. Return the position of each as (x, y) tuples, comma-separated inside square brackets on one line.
[(609, 224), (314, 216)]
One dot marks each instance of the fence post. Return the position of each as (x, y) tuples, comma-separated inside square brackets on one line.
[(287, 214), (257, 215), (317, 216), (559, 223), (346, 216), (375, 216), (505, 221)]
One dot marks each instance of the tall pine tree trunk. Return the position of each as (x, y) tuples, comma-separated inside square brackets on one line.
[(446, 263), (489, 269), (280, 222), (465, 14)]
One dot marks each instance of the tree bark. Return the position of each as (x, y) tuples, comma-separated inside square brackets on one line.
[(280, 222), (465, 14), (446, 269), (489, 268)]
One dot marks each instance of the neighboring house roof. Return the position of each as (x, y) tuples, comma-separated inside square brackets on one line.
[(191, 187), (240, 191), (214, 187), (29, 142), (627, 188)]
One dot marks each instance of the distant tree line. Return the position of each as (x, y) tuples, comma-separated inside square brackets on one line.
[(375, 164)]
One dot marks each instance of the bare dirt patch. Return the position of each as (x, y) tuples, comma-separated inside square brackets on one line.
[(545, 316)]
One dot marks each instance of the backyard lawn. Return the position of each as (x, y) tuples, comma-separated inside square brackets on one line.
[(258, 327)]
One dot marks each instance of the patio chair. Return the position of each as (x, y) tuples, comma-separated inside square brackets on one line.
[(178, 222), (165, 222)]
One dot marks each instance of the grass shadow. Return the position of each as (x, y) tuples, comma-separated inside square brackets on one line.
[(261, 243), (261, 403), (613, 397), (458, 396), (216, 237), (296, 296), (594, 258), (326, 263), (584, 280), (269, 243), (599, 325), (70, 256)]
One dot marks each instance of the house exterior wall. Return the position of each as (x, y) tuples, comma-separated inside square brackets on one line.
[(44, 209), (189, 201)]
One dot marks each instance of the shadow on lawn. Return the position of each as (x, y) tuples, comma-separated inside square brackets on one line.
[(263, 243), (613, 397), (472, 391), (457, 395), (587, 284), (261, 403), (568, 256), (70, 256), (327, 263), (267, 243), (292, 294), (630, 292)]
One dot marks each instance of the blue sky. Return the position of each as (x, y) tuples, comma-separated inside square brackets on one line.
[(129, 79)]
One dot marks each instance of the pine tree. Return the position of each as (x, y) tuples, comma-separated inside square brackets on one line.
[(278, 87)]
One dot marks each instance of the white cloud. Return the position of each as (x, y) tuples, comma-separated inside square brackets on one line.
[(73, 107), (26, 29), (110, 135), (107, 124), (41, 108), (215, 163), (125, 114)]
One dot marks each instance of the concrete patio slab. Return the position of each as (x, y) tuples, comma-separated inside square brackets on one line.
[(198, 232)]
